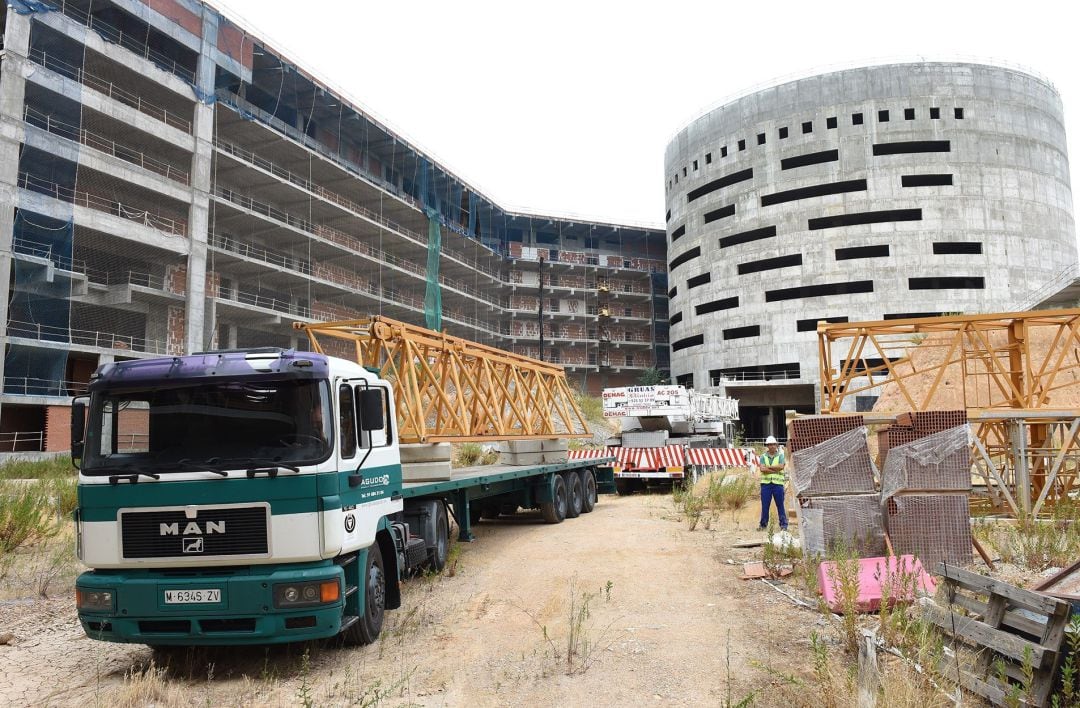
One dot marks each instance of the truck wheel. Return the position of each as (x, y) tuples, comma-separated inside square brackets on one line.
[(574, 495), (438, 553), (367, 629), (588, 491), (554, 511), (624, 486)]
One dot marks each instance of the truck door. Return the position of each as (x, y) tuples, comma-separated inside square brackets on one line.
[(369, 469)]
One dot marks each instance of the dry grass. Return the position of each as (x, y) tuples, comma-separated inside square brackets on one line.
[(473, 454), (699, 502), (1035, 544)]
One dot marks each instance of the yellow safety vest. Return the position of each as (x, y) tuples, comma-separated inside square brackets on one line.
[(768, 460)]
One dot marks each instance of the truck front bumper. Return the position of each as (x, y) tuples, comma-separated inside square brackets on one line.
[(245, 613)]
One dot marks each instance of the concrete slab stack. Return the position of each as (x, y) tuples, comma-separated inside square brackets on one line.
[(533, 452)]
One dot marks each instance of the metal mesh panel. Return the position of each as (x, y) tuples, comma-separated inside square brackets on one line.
[(839, 465), (849, 522), (941, 461), (933, 528), (814, 430)]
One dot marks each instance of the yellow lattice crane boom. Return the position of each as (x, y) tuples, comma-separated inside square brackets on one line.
[(450, 389)]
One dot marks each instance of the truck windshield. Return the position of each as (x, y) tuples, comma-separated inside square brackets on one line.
[(222, 425)]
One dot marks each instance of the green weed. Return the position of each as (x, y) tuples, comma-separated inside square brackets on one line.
[(26, 515), (51, 468), (473, 454)]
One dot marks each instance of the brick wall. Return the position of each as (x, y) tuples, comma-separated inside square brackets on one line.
[(57, 428), (174, 344)]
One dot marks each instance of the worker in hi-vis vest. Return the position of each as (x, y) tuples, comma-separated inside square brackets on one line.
[(772, 483)]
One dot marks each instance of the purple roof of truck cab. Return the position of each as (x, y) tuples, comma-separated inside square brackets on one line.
[(211, 365)]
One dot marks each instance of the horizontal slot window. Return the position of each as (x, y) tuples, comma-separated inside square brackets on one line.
[(812, 158), (865, 217), (856, 252), (726, 303), (810, 325), (748, 236), (725, 181), (823, 290), (770, 264), (742, 332), (686, 342), (717, 214), (684, 258), (958, 282), (698, 280), (817, 190), (910, 315), (763, 372), (673, 292), (963, 248), (678, 233), (675, 319), (926, 180), (908, 147)]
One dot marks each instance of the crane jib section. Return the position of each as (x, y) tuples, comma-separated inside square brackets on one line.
[(449, 389)]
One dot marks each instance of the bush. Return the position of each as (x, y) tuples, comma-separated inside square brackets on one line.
[(592, 408), (473, 454), (27, 514)]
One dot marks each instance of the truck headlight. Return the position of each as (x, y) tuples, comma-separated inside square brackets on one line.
[(305, 594), (94, 600)]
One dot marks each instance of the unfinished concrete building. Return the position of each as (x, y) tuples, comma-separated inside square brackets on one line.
[(169, 183), (885, 192)]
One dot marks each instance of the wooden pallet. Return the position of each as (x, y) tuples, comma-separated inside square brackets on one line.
[(1007, 626)]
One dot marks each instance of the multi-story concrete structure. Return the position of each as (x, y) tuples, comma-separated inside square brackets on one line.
[(170, 183), (892, 191)]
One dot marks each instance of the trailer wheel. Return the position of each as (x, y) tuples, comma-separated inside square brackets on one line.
[(575, 501), (439, 552), (588, 491), (367, 629), (554, 511)]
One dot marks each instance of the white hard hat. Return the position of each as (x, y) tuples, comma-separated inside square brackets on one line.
[(771, 440)]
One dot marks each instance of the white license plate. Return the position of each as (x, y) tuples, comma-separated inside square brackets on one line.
[(181, 597)]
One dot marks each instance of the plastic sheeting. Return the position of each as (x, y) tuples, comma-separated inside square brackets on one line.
[(941, 461), (29, 7), (850, 522), (839, 465)]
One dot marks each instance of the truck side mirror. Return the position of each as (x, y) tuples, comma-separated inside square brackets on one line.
[(78, 428), (371, 409)]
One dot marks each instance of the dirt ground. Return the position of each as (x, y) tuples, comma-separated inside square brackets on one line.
[(666, 621)]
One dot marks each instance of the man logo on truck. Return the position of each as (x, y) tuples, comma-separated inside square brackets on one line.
[(192, 528)]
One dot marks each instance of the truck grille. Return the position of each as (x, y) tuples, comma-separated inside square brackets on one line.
[(169, 533)]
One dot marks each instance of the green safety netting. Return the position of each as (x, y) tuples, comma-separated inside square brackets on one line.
[(432, 291)]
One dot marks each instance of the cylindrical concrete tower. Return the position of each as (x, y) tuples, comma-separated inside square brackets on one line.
[(890, 191)]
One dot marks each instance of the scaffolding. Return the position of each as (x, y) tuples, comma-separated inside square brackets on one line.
[(449, 389)]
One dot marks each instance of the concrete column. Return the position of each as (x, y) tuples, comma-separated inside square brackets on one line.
[(12, 97), (196, 325)]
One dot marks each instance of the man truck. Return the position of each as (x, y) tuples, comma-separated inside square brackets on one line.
[(257, 496)]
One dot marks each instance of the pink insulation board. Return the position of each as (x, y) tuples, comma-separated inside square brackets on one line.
[(904, 575)]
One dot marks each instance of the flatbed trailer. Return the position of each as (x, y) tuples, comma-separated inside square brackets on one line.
[(473, 490)]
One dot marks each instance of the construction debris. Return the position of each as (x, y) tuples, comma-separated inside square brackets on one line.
[(897, 578)]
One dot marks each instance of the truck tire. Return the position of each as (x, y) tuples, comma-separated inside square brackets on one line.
[(588, 491), (575, 494), (624, 486), (367, 629), (554, 511), (439, 552)]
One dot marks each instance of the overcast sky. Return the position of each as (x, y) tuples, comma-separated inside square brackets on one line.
[(566, 107)]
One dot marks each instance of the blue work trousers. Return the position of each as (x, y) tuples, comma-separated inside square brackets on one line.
[(770, 493)]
